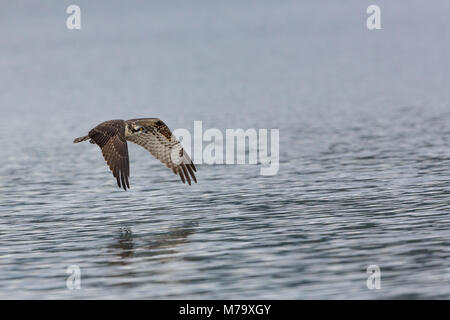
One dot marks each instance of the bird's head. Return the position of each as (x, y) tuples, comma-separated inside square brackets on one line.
[(135, 128)]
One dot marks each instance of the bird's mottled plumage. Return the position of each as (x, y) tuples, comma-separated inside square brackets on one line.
[(152, 134)]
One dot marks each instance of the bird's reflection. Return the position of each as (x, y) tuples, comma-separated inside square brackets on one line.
[(160, 246)]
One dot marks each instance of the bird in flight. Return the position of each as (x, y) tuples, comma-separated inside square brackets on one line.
[(152, 134)]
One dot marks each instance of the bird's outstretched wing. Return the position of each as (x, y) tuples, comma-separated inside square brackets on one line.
[(110, 137), (157, 138)]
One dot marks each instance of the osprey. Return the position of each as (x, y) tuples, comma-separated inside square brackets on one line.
[(152, 134)]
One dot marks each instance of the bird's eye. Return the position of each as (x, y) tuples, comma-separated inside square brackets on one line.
[(141, 128)]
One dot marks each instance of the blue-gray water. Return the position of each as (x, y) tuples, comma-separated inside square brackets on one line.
[(364, 121)]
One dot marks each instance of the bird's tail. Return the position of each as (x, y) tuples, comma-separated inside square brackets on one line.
[(81, 139)]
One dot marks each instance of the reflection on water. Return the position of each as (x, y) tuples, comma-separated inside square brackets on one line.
[(134, 252), (161, 247)]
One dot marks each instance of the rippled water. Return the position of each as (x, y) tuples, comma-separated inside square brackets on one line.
[(364, 124)]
